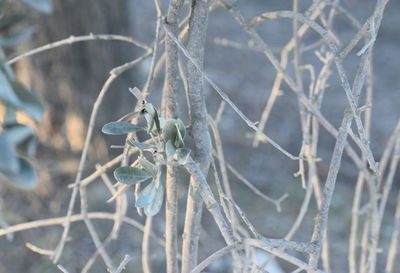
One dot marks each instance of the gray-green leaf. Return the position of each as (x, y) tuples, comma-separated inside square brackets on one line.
[(150, 115), (39, 5), (17, 133), (25, 178), (16, 38), (130, 175), (169, 130), (8, 158), (148, 167), (170, 149), (120, 128), (6, 91), (141, 146), (29, 102), (154, 207), (147, 195)]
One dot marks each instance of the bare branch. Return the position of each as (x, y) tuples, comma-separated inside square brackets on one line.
[(123, 263), (213, 257), (75, 39), (226, 98), (170, 110)]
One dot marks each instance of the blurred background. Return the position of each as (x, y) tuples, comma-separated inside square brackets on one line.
[(69, 78)]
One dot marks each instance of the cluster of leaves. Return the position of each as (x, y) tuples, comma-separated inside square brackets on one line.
[(165, 145), (17, 141)]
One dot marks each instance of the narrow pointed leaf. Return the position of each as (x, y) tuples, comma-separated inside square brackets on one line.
[(141, 146), (170, 149), (14, 39), (11, 20), (17, 133), (150, 113), (29, 102), (39, 5), (130, 175), (120, 128), (157, 122), (25, 178), (8, 157), (6, 91)]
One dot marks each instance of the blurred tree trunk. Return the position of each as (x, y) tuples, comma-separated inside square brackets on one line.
[(70, 77)]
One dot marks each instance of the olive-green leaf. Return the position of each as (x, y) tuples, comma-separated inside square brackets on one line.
[(130, 175), (16, 38), (39, 5), (147, 195), (170, 149), (17, 133), (28, 146), (12, 20), (148, 167), (141, 146), (169, 130), (25, 178), (154, 207), (8, 157), (149, 115), (29, 102), (120, 128), (6, 91), (162, 122)]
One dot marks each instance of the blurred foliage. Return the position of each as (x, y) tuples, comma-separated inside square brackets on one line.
[(17, 140)]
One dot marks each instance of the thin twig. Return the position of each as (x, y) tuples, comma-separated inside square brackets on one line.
[(198, 23), (75, 218), (394, 242), (224, 173), (92, 230), (200, 184), (213, 257), (62, 268), (146, 245), (123, 264), (226, 98), (39, 250), (275, 202), (113, 75), (75, 39), (291, 259), (343, 78)]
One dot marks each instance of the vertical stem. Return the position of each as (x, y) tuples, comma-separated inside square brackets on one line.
[(395, 239), (146, 244), (360, 181), (170, 110), (321, 220), (198, 130)]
